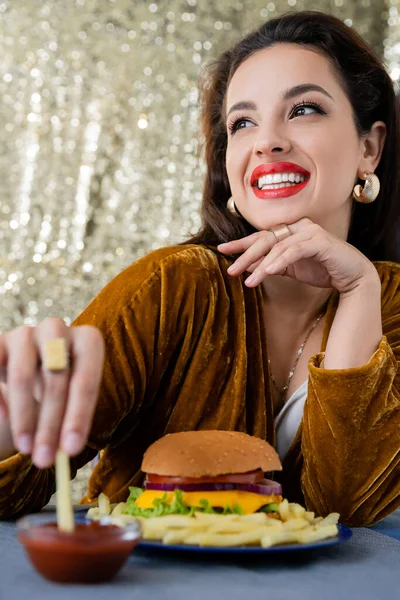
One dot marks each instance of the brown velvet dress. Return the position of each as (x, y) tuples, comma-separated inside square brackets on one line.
[(186, 349)]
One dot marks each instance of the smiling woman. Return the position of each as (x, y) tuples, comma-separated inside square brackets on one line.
[(302, 148)]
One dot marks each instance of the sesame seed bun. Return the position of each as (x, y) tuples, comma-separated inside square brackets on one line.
[(209, 453)]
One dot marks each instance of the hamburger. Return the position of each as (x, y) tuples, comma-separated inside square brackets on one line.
[(209, 471)]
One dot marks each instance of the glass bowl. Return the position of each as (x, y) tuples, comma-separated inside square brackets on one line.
[(93, 553)]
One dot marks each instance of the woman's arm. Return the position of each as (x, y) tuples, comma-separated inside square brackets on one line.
[(150, 317), (357, 327), (351, 420), (131, 298)]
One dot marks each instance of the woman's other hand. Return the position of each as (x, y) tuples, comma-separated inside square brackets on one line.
[(310, 255), (45, 410)]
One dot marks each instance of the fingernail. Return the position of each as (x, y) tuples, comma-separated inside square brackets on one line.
[(43, 457), (24, 443), (250, 279), (72, 443), (233, 268)]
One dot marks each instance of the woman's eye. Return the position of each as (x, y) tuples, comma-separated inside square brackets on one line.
[(238, 124), (303, 110)]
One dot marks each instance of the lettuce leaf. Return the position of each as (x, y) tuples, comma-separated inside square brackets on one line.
[(177, 507), (268, 508)]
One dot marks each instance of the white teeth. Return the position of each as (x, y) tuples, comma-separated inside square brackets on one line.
[(279, 178)]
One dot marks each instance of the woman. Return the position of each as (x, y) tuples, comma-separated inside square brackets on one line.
[(295, 341)]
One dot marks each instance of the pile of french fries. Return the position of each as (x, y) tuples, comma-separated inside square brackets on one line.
[(295, 525)]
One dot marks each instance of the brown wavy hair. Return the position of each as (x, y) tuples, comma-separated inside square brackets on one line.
[(369, 88)]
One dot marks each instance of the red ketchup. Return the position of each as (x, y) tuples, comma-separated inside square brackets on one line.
[(94, 552)]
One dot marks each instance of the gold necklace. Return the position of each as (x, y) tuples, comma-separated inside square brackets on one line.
[(282, 391)]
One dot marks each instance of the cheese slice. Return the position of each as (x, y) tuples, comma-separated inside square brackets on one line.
[(248, 501)]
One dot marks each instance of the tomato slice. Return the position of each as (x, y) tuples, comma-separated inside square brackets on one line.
[(249, 477)]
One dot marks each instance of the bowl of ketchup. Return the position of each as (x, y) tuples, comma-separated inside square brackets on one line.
[(94, 552)]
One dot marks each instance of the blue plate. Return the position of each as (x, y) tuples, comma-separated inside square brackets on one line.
[(344, 535)]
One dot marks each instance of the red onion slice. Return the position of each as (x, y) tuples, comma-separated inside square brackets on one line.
[(191, 487), (267, 487)]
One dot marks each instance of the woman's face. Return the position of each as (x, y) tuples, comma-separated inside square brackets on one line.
[(293, 149)]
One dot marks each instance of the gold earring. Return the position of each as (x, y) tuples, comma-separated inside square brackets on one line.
[(230, 205), (370, 191)]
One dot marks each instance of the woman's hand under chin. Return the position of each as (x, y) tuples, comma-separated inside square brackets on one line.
[(310, 255)]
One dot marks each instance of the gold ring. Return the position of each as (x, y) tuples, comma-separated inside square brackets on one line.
[(281, 232), (55, 355)]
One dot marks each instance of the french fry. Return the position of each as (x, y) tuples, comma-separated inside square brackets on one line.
[(296, 510), (282, 537), (284, 510), (212, 518), (295, 524), (176, 536), (171, 521), (331, 519), (118, 509), (234, 539), (126, 519), (65, 513), (230, 527), (310, 516), (308, 537), (104, 505)]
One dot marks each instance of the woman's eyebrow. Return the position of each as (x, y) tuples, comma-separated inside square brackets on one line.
[(303, 88), (242, 105), (297, 90)]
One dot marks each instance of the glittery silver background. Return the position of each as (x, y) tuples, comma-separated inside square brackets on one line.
[(99, 135)]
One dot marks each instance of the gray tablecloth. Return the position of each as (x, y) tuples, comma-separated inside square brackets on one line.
[(366, 567)]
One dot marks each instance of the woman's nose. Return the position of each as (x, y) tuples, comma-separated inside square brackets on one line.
[(268, 143)]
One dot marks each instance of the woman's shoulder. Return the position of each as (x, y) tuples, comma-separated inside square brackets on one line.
[(163, 275), (189, 259), (171, 266)]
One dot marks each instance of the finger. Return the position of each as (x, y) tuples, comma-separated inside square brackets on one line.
[(54, 396), (297, 250), (3, 401), (236, 246), (282, 246), (257, 251), (22, 364), (254, 266), (261, 271), (302, 249), (87, 369), (241, 245)]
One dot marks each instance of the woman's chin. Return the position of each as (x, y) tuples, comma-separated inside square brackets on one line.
[(272, 217)]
